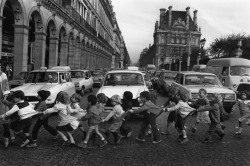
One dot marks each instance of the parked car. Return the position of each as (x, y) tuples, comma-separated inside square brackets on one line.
[(98, 76), (193, 81), (244, 85), (54, 80), (165, 80), (83, 80), (19, 79), (119, 81)]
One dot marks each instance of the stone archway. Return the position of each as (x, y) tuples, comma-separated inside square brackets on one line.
[(77, 56), (62, 47), (71, 50)]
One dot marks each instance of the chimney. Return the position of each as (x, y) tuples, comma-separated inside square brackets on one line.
[(170, 16), (195, 17), (187, 17), (162, 14)]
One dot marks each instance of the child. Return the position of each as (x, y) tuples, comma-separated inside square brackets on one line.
[(80, 113), (214, 114), (116, 114), (243, 105), (149, 110), (182, 111), (67, 122), (94, 119), (41, 107), (8, 134), (202, 117), (25, 112), (125, 129)]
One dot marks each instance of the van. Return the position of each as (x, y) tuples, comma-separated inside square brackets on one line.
[(199, 68), (229, 70)]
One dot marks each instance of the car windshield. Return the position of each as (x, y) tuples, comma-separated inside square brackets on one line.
[(77, 74), (20, 76), (202, 80), (96, 73), (113, 79), (239, 70), (170, 75), (42, 77)]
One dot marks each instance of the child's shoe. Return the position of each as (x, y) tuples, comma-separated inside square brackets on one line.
[(129, 134), (104, 142), (239, 131), (193, 129), (223, 126), (205, 141), (165, 133), (184, 141), (25, 143), (156, 142), (31, 145), (222, 136), (140, 140)]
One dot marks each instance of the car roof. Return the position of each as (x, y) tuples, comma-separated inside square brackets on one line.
[(125, 71), (194, 72), (80, 70), (229, 62)]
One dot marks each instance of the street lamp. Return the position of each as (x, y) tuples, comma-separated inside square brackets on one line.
[(180, 59), (202, 43)]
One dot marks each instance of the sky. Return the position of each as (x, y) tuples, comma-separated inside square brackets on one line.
[(217, 18)]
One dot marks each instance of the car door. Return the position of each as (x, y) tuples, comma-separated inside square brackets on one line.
[(66, 84)]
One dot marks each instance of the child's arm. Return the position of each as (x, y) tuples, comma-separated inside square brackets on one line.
[(143, 108), (10, 112), (173, 108), (51, 110), (206, 108), (7, 103), (110, 115), (236, 106)]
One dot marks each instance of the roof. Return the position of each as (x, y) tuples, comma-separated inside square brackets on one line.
[(53, 69), (229, 62), (80, 70), (125, 71), (194, 72)]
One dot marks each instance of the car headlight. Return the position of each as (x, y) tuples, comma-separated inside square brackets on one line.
[(76, 83), (195, 95), (229, 97)]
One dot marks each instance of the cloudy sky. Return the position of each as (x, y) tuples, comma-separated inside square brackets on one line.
[(136, 19)]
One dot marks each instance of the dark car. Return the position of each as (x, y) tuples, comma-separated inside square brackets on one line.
[(244, 86), (98, 76), (155, 78), (166, 78)]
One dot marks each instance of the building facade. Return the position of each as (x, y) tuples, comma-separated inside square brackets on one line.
[(38, 33), (176, 35)]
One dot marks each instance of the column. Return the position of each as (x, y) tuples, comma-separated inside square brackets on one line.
[(21, 48), (82, 58), (64, 53), (39, 50), (77, 57), (53, 52), (87, 58), (1, 37), (71, 54)]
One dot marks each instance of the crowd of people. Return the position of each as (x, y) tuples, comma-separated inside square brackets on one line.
[(17, 116)]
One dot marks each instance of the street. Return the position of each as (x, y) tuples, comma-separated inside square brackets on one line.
[(232, 150)]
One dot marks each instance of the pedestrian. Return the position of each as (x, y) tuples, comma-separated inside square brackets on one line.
[(243, 106), (93, 117), (214, 114), (182, 111), (125, 129), (80, 113), (25, 112), (67, 123), (8, 134), (149, 111), (202, 117), (116, 123), (40, 107)]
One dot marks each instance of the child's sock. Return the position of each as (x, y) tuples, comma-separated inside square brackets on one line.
[(184, 133)]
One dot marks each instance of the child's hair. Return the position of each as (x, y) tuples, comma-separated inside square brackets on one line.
[(128, 95), (102, 98), (77, 97), (203, 90), (63, 97), (10, 98), (18, 94), (117, 99), (44, 94), (145, 94), (92, 99), (244, 92), (218, 97), (183, 95)]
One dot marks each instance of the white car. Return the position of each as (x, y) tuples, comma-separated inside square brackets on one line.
[(193, 81), (83, 80), (117, 82), (54, 80)]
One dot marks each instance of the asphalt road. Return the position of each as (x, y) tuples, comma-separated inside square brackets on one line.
[(233, 150)]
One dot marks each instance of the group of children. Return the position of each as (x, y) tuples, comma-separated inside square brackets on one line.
[(21, 115)]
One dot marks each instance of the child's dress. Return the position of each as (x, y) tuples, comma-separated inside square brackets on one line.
[(244, 107), (203, 117)]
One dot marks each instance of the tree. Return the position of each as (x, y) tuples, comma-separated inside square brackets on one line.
[(225, 46)]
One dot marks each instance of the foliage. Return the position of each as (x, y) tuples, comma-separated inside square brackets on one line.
[(226, 46)]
